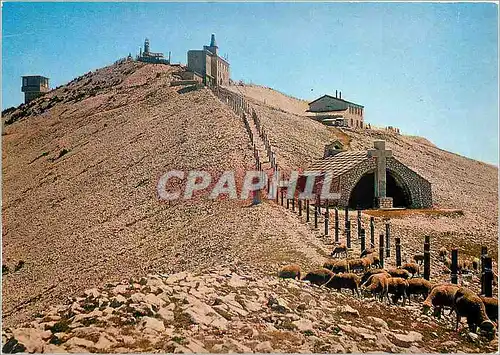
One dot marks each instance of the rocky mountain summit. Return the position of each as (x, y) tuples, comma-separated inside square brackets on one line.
[(233, 309), (80, 168)]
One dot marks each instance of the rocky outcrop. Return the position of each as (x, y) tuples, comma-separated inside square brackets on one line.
[(226, 309)]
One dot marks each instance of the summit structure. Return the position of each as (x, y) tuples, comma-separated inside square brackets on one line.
[(150, 57), (209, 65), (335, 111), (34, 86)]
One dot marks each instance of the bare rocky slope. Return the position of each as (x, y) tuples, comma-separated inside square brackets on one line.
[(80, 168), (79, 187)]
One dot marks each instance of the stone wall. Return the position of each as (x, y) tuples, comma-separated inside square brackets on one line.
[(222, 71), (385, 203), (420, 188), (354, 119), (199, 62)]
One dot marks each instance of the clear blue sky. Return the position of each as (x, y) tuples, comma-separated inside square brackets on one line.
[(430, 69)]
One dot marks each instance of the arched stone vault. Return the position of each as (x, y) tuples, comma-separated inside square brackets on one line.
[(347, 168), (418, 189)]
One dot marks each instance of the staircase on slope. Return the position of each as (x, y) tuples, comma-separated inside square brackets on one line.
[(265, 158)]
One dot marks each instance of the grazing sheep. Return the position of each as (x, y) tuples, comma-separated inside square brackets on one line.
[(359, 264), (371, 272), (336, 266), (441, 296), (290, 272), (419, 286), (399, 273), (366, 252), (465, 266), (412, 268), (339, 250), (340, 281), (374, 259), (468, 304), (491, 305), (442, 253), (397, 287), (377, 284), (419, 258), (319, 276)]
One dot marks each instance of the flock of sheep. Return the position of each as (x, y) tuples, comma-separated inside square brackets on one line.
[(364, 274)]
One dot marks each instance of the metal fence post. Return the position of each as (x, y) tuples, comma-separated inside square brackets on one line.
[(381, 250), (336, 225), (372, 232), (398, 251), (454, 266)]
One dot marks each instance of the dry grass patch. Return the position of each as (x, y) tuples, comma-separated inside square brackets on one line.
[(403, 213)]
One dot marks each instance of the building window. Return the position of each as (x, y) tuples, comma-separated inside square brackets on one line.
[(25, 81)]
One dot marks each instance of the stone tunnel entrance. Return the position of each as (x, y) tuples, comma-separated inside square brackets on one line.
[(363, 194)]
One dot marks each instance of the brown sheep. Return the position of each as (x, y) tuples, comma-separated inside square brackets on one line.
[(441, 296), (319, 276), (368, 261), (377, 284), (447, 262), (397, 287), (442, 253), (374, 260), (419, 258), (366, 252), (399, 273), (336, 266), (340, 281), (465, 266), (491, 305), (359, 264), (468, 304), (290, 272), (339, 250), (371, 272), (419, 286), (412, 268)]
